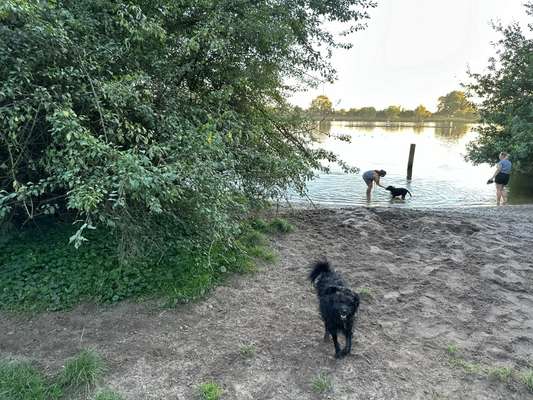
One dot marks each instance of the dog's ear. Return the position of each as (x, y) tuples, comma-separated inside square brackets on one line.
[(355, 301)]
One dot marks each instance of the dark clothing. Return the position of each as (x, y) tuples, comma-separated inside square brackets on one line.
[(502, 179)]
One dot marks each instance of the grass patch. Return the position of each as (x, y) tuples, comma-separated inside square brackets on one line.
[(108, 395), (458, 362), (262, 253), (468, 367), (247, 351), (451, 349), (19, 380), (366, 293), (210, 391), (83, 371), (527, 379), (502, 374), (277, 225), (322, 384), (259, 224), (251, 237), (255, 244), (280, 225)]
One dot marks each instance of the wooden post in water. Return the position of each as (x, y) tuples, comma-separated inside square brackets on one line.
[(410, 162)]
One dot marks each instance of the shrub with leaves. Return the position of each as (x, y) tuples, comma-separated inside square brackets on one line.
[(143, 115), (506, 93), (41, 271)]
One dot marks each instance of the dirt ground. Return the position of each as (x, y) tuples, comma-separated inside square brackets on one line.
[(436, 278)]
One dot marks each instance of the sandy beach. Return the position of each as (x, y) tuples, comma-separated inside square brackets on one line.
[(447, 297)]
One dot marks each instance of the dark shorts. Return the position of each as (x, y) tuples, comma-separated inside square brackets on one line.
[(502, 179), (368, 181)]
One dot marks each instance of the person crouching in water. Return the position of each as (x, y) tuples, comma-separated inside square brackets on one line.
[(371, 177), (501, 177)]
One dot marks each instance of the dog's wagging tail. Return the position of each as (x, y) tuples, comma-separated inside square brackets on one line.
[(338, 305), (319, 268)]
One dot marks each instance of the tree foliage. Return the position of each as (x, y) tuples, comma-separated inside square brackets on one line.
[(421, 113), (392, 112), (143, 113), (455, 104), (506, 92), (321, 106), (367, 112)]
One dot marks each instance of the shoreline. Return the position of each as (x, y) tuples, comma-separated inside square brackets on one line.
[(525, 209)]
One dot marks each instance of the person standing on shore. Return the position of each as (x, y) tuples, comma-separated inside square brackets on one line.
[(371, 177), (501, 177)]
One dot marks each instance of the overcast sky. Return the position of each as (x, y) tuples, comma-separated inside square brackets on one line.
[(414, 51)]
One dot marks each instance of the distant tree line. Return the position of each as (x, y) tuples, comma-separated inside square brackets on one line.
[(453, 106)]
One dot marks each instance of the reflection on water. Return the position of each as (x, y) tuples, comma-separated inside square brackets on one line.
[(322, 132), (451, 132), (521, 189), (418, 128), (324, 127), (441, 176)]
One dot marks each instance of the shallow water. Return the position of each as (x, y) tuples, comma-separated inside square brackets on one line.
[(441, 176)]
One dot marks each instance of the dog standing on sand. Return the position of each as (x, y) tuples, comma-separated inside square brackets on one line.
[(338, 305)]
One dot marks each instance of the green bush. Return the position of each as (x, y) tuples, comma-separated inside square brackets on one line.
[(504, 91), (41, 271), (158, 117), (154, 127)]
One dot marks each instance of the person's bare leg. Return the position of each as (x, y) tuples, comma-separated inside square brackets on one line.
[(368, 191), (504, 195), (498, 194)]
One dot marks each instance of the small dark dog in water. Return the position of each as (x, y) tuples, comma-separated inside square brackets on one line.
[(395, 192), (338, 305)]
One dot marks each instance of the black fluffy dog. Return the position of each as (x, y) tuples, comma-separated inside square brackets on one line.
[(395, 192), (338, 305)]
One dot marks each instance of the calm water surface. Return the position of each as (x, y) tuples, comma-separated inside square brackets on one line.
[(441, 176)]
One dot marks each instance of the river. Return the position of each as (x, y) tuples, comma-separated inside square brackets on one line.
[(441, 175)]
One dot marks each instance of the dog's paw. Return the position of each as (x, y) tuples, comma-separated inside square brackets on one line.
[(341, 354)]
